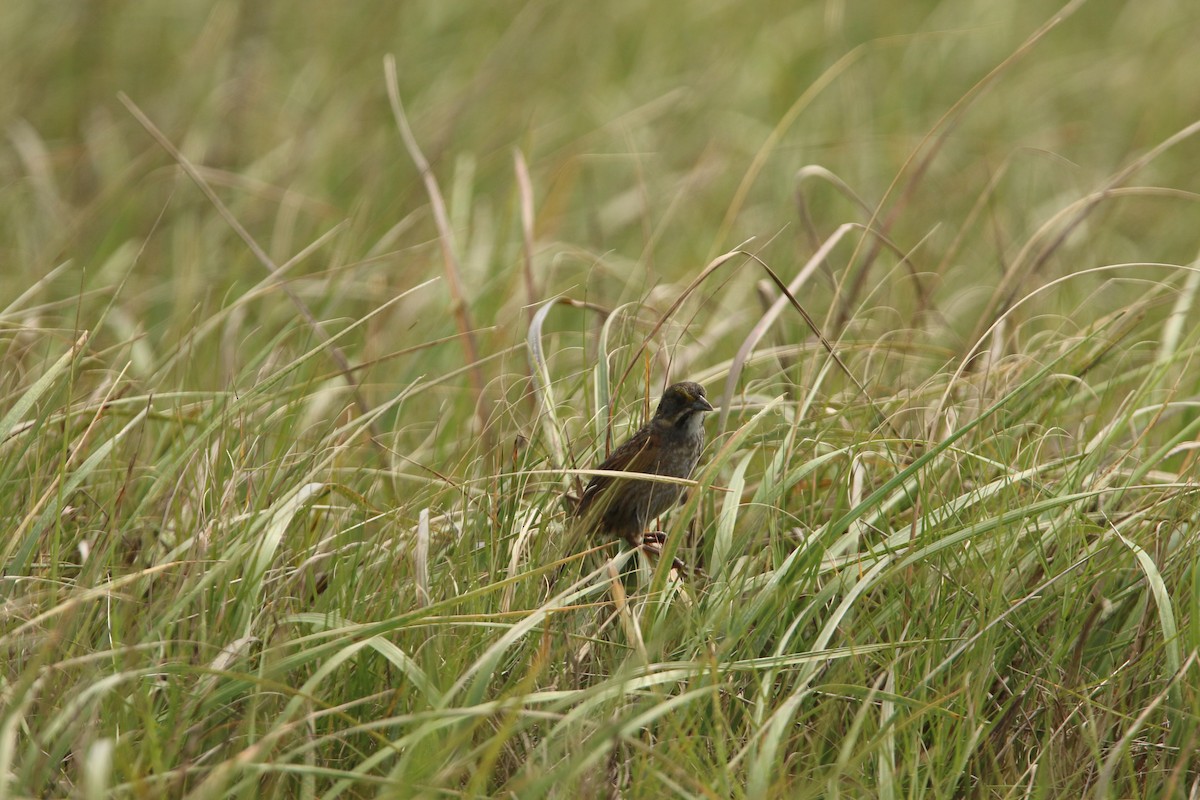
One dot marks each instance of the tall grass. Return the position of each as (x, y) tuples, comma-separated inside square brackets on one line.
[(287, 421)]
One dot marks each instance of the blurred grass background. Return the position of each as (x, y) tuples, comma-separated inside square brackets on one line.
[(215, 585)]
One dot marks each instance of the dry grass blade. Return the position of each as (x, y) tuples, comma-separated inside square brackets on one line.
[(421, 559), (1173, 328), (629, 621), (543, 388), (458, 301), (528, 527), (525, 187)]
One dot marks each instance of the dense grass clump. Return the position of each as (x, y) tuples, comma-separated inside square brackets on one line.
[(312, 317)]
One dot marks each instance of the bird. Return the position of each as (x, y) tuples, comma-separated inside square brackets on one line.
[(668, 445)]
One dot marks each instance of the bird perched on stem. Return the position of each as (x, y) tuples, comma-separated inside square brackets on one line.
[(668, 445)]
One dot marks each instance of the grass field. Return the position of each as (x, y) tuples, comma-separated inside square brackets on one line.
[(286, 422)]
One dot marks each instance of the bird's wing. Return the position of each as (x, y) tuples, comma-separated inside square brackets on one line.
[(635, 455)]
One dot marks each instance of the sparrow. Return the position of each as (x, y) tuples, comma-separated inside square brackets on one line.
[(668, 445)]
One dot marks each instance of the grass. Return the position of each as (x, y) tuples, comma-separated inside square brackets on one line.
[(934, 262)]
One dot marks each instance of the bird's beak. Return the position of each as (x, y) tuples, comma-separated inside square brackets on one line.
[(702, 404)]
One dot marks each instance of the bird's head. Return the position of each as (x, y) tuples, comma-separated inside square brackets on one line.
[(682, 401)]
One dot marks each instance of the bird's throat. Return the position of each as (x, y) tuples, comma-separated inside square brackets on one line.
[(690, 423)]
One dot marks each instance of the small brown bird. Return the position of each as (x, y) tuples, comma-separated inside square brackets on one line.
[(667, 445)]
